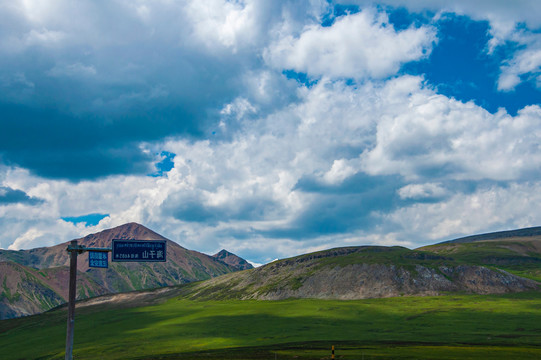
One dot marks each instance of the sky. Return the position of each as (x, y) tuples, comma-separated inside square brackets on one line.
[(269, 128)]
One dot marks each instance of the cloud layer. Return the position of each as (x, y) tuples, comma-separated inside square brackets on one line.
[(267, 128)]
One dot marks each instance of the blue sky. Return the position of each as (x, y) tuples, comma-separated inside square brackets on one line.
[(269, 128)]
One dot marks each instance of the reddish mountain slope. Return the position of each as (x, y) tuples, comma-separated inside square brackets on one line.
[(26, 291), (182, 265)]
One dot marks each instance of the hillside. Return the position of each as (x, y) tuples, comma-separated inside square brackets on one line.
[(517, 251), (182, 266), (358, 273), (26, 291)]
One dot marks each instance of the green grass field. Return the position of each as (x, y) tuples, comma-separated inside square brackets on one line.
[(444, 327)]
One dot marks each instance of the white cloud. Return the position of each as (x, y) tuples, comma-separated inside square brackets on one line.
[(26, 239), (422, 191), (422, 134), (355, 46), (237, 110), (487, 209), (526, 62), (506, 19), (339, 171), (227, 23)]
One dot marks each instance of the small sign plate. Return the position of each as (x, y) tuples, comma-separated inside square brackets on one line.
[(98, 259), (139, 250)]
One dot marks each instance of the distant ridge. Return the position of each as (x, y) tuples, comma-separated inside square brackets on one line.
[(499, 235), (232, 260)]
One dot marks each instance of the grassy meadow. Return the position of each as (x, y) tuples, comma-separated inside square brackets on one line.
[(444, 327)]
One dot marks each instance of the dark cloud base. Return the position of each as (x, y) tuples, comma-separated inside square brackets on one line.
[(12, 196)]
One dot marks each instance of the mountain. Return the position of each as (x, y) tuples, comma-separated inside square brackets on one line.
[(516, 251), (483, 264), (233, 260), (182, 266), (357, 273)]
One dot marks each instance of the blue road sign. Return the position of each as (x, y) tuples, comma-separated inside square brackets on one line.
[(139, 250), (98, 259)]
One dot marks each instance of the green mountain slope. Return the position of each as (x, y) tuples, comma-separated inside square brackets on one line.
[(357, 273), (518, 251)]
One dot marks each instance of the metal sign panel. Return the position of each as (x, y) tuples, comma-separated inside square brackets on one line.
[(98, 259), (139, 250)]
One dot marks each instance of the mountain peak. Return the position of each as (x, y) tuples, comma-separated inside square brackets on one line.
[(232, 259), (132, 231)]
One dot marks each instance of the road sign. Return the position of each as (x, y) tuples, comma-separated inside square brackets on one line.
[(139, 250), (98, 259)]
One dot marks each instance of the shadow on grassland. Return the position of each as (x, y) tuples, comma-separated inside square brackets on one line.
[(257, 329)]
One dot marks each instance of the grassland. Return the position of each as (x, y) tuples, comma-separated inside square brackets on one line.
[(444, 327)]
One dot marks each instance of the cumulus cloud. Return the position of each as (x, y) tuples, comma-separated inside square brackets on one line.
[(425, 135), (487, 209), (337, 163), (422, 191), (259, 161), (525, 64), (355, 46), (339, 171), (230, 24), (515, 22), (110, 75), (25, 240)]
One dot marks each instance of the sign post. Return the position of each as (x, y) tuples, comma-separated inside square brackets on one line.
[(75, 250), (71, 298), (123, 250)]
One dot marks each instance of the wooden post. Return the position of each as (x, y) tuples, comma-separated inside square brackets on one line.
[(73, 250)]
